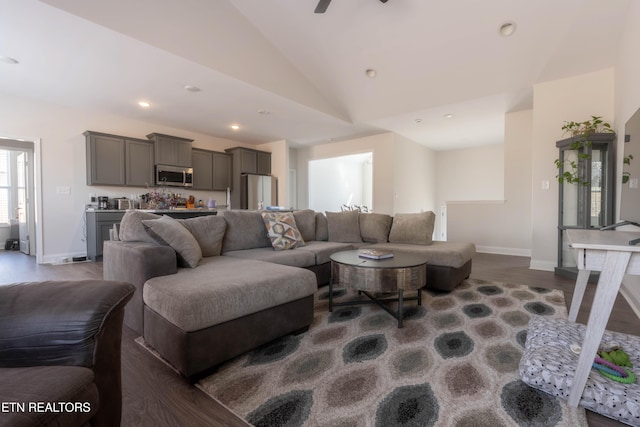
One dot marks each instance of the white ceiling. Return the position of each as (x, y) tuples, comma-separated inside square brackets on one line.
[(432, 57)]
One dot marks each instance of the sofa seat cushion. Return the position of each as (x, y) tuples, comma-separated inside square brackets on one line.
[(291, 257), (444, 254), (322, 250), (225, 288), (41, 384)]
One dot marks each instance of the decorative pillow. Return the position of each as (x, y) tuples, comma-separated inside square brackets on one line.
[(375, 227), (413, 228), (208, 231), (306, 222), (282, 230), (344, 227), (168, 231), (132, 229)]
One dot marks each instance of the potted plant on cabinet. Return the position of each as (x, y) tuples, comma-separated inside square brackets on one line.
[(580, 133)]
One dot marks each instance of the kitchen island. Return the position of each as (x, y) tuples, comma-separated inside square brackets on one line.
[(99, 223)]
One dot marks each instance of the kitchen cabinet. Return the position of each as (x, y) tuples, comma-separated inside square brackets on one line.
[(246, 160), (100, 222), (211, 170), (138, 163), (105, 159), (221, 171), (118, 160), (171, 150)]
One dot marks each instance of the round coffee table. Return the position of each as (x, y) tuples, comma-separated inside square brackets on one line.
[(402, 272)]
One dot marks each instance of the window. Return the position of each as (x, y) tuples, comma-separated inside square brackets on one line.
[(5, 190)]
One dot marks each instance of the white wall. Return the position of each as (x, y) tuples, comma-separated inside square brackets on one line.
[(403, 171), (383, 174), (575, 98), (63, 159), (627, 101), (496, 225), (338, 181)]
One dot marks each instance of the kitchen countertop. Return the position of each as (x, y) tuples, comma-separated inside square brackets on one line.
[(159, 211)]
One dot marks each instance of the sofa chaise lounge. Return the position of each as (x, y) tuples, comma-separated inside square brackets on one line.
[(238, 292)]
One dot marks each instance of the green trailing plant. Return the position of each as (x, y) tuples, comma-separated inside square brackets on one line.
[(582, 130)]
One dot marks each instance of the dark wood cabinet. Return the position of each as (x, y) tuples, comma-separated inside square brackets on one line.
[(118, 160), (221, 171), (246, 161), (171, 150)]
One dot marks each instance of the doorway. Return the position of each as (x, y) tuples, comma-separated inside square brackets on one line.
[(17, 195)]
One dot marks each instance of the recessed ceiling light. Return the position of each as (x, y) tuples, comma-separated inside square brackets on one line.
[(448, 116), (264, 112), (8, 60), (190, 88), (371, 73), (235, 127), (418, 121), (507, 29), (144, 104)]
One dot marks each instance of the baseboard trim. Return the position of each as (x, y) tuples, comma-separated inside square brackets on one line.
[(542, 265), (498, 250)]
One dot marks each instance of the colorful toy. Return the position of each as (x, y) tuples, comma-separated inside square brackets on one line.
[(615, 365)]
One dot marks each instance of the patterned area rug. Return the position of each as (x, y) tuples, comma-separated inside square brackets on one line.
[(455, 363)]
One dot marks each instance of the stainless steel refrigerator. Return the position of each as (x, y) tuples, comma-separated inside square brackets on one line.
[(258, 191)]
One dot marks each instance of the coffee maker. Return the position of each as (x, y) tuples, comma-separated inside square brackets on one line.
[(103, 202)]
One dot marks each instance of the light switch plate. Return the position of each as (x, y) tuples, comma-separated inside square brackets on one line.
[(63, 189), (633, 183)]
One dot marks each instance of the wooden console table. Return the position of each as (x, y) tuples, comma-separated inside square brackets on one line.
[(610, 253)]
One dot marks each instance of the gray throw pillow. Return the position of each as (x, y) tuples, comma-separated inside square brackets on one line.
[(245, 230), (132, 229), (344, 227), (168, 231), (208, 231), (375, 227), (306, 222), (413, 228)]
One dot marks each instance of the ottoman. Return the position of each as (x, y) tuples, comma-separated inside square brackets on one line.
[(548, 364)]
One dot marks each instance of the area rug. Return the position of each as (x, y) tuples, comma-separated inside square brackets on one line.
[(454, 363)]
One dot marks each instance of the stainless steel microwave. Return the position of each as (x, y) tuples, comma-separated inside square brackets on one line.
[(174, 176)]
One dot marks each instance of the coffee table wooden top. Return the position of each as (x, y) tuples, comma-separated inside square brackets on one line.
[(399, 260)]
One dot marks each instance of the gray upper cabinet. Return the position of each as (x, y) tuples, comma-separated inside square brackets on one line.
[(211, 170), (105, 159), (250, 161), (139, 162), (263, 163), (202, 161), (118, 160), (221, 171), (171, 150)]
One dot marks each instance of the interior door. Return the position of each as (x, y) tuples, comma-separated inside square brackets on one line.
[(23, 202)]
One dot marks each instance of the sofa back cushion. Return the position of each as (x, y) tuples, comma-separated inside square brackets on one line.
[(322, 228), (344, 227), (208, 231), (375, 227), (245, 230), (413, 228), (132, 229), (306, 222)]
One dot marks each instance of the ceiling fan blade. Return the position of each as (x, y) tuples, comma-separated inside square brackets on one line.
[(322, 6)]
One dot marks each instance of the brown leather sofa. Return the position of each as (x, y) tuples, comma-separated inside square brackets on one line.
[(60, 348)]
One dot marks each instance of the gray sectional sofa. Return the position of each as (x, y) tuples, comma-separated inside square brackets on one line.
[(213, 287)]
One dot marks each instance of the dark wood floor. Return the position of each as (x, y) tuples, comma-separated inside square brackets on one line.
[(154, 395)]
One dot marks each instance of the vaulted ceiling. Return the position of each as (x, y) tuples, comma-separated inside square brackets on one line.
[(279, 71)]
